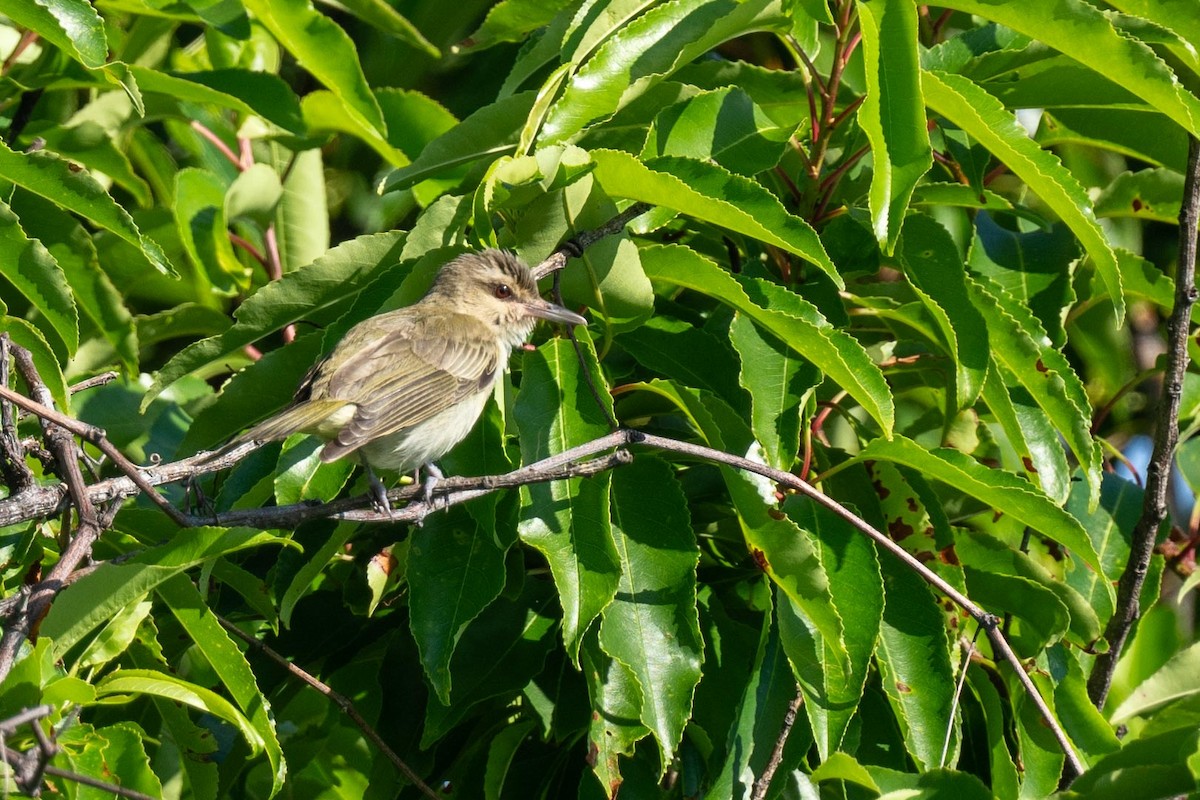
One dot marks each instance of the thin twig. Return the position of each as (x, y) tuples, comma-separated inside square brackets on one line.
[(95, 436), (339, 699), (763, 782), (1166, 436), (93, 382), (89, 528), (216, 142), (17, 474), (575, 246)]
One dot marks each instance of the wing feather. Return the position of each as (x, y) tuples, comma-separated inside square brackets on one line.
[(410, 373)]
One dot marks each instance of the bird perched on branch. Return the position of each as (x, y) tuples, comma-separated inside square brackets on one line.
[(402, 388)]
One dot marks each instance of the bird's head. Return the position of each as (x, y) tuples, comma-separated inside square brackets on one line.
[(497, 288)]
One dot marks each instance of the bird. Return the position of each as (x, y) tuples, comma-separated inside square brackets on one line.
[(402, 388)]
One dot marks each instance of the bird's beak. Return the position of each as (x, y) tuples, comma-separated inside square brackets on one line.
[(554, 313)]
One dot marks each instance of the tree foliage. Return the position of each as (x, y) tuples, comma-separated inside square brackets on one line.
[(918, 256)]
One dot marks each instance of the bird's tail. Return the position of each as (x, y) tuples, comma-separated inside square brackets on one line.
[(309, 417)]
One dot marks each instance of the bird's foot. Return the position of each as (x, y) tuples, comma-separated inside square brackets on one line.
[(432, 476), (379, 497)]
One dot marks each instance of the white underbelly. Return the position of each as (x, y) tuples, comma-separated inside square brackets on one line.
[(412, 447)]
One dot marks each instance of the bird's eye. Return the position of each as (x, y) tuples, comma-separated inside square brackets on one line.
[(503, 291)]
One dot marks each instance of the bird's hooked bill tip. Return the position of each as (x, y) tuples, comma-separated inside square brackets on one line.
[(554, 313)]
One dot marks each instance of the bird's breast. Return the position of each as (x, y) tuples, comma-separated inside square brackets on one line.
[(407, 449)]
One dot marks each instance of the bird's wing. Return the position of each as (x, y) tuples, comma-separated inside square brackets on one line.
[(408, 375)]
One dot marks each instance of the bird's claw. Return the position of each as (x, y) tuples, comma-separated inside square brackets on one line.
[(379, 497)]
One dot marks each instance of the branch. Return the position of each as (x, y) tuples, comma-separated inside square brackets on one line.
[(985, 620), (576, 246), (340, 700), (1166, 436), (89, 528)]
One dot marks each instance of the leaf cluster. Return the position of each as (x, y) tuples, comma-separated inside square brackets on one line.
[(917, 256)]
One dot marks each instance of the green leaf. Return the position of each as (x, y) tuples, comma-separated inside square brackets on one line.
[(1036, 267), (248, 92), (616, 699), (47, 175), (1110, 528), (761, 710), (1157, 766), (652, 626), (381, 16), (324, 49), (647, 50), (303, 581), (302, 216), (510, 21), (833, 676), (1176, 680), (1149, 194), (115, 635), (337, 276), (73, 249), (88, 140), (1135, 132), (35, 274), (302, 476), (688, 355), (779, 384), (47, 364), (1004, 492), (98, 596), (455, 570), (958, 194), (608, 276), (497, 656), (788, 555), (983, 117), (200, 218), (934, 268), (892, 115), (567, 521), (487, 134), (1171, 14), (1005, 780), (1083, 32), (724, 126), (711, 194), (112, 754), (914, 663), (787, 316), (1030, 433), (986, 554), (117, 685), (254, 193), (228, 663), (1020, 345), (72, 26)]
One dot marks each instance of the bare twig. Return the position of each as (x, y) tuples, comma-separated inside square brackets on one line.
[(338, 699), (92, 382), (95, 436), (763, 782), (1166, 436), (17, 473), (576, 246), (65, 452)]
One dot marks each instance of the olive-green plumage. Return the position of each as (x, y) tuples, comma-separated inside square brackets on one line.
[(403, 387)]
